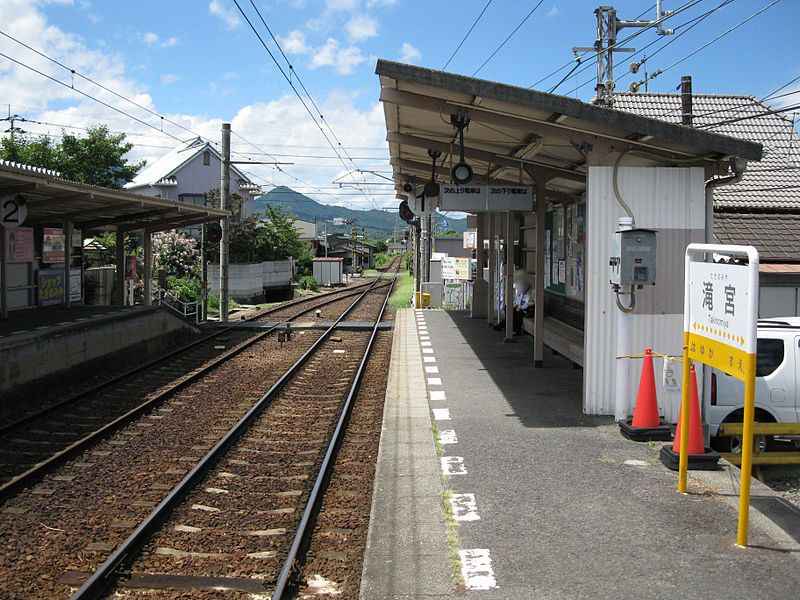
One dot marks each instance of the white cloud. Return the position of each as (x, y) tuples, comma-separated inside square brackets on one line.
[(151, 39), (341, 5), (225, 14), (409, 54), (295, 43), (362, 27), (169, 78), (344, 60), (376, 3), (553, 12), (280, 126)]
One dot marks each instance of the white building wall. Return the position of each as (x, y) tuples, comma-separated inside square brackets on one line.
[(671, 201)]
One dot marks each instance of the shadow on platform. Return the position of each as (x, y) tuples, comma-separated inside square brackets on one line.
[(546, 397)]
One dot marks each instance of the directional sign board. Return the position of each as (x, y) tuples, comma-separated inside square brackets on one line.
[(721, 323), (482, 198)]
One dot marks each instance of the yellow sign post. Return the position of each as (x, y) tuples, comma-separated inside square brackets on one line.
[(720, 318)]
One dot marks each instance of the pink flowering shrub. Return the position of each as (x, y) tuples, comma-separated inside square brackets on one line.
[(176, 253)]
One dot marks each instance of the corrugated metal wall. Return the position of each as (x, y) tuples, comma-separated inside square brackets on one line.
[(670, 200)]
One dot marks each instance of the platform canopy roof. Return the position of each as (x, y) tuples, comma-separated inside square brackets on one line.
[(517, 135), (50, 199)]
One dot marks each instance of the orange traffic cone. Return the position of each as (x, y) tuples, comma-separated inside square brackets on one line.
[(696, 445), (646, 426), (646, 412), (700, 458)]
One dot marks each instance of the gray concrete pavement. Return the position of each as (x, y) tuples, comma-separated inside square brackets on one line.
[(564, 507), (407, 542)]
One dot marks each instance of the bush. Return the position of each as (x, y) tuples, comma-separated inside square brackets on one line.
[(382, 259), (307, 282), (185, 288)]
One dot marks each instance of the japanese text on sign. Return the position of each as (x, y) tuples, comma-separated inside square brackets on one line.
[(719, 326)]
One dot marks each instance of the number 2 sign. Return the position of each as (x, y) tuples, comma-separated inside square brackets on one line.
[(12, 211)]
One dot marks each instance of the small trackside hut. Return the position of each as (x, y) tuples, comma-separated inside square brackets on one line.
[(588, 168)]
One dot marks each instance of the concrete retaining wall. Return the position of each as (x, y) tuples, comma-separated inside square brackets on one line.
[(41, 355), (248, 281)]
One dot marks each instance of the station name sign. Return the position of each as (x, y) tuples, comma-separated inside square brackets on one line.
[(721, 323), (486, 198)]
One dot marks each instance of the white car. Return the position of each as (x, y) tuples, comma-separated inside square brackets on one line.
[(777, 380)]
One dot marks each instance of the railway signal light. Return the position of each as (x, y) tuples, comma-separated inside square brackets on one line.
[(214, 233)]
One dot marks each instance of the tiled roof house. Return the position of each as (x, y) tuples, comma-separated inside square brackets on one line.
[(763, 209)]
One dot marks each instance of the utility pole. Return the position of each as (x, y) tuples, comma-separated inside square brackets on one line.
[(224, 244), (353, 243), (608, 24)]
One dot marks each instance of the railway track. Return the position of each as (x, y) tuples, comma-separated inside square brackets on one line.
[(38, 443), (241, 519)]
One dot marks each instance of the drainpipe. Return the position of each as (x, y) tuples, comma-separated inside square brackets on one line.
[(738, 167)]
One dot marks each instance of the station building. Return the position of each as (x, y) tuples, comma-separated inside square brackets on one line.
[(588, 167)]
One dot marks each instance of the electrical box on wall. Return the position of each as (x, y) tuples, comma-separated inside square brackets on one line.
[(633, 261)]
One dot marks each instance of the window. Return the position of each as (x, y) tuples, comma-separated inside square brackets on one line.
[(206, 158), (196, 199), (769, 356)]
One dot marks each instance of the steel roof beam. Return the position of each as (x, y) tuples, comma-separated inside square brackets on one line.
[(482, 155)]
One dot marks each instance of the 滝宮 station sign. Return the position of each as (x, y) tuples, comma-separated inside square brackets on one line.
[(721, 317)]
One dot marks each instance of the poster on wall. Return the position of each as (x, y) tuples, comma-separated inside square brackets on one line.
[(53, 245), (51, 287), (19, 245), (470, 240), (75, 286)]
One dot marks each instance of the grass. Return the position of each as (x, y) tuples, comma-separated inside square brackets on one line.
[(403, 292), (450, 521)]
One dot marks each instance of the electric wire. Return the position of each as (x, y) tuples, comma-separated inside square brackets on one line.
[(289, 80), (466, 35), (75, 72), (717, 38), (510, 35), (578, 58), (684, 7)]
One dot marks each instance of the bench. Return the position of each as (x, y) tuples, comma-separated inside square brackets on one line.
[(563, 339)]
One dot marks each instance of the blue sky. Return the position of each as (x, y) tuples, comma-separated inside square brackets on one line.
[(198, 63)]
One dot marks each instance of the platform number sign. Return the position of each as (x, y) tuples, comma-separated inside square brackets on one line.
[(12, 211)]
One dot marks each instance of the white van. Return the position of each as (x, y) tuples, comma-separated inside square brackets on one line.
[(777, 381)]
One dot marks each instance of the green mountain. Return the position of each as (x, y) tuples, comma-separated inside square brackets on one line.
[(378, 224)]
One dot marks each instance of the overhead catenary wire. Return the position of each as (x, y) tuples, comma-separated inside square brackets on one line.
[(684, 7), (466, 35), (510, 35), (291, 84), (715, 39), (77, 73), (690, 24), (578, 58), (159, 129)]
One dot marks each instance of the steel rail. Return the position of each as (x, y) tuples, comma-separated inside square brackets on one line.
[(53, 408), (314, 503), (99, 582), (36, 472)]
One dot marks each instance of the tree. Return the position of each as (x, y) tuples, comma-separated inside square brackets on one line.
[(96, 159), (269, 237)]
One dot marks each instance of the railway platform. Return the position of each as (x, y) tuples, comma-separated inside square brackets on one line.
[(527, 497)]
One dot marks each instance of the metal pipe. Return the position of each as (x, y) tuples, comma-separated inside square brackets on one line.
[(224, 244)]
